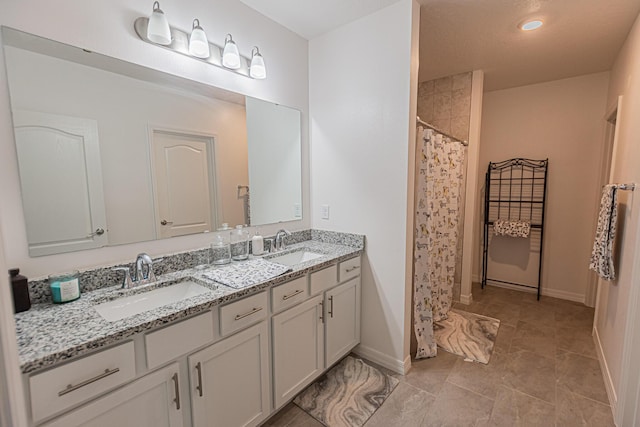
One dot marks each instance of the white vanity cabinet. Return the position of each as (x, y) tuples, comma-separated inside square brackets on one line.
[(342, 325), (230, 380), (151, 401), (298, 348), (218, 368), (313, 335)]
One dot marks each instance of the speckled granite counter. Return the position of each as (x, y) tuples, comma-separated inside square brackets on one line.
[(48, 334)]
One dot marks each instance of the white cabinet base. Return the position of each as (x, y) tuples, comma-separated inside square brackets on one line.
[(230, 380), (151, 401), (298, 349)]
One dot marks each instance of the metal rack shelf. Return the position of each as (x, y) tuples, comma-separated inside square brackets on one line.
[(515, 189)]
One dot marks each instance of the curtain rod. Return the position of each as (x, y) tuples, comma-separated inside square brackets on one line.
[(430, 126)]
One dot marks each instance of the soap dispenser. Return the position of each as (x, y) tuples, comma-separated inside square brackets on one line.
[(257, 243)]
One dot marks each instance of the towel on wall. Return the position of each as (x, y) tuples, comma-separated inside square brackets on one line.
[(512, 228), (602, 254)]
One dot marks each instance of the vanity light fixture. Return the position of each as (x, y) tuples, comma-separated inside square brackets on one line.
[(155, 30), (158, 30), (257, 69), (198, 43), (531, 25), (230, 54)]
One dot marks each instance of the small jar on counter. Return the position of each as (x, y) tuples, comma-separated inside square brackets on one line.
[(65, 287)]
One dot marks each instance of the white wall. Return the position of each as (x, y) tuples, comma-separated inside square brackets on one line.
[(361, 95), (617, 304), (564, 121), (124, 108), (107, 27)]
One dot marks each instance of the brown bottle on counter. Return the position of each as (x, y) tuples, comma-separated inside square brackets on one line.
[(21, 301)]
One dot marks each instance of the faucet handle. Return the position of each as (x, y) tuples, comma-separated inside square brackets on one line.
[(126, 281), (152, 275)]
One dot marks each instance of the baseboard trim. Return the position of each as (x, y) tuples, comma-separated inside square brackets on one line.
[(606, 374), (396, 365), (466, 299), (554, 293)]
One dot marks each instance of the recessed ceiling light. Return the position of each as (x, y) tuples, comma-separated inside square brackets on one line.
[(531, 25)]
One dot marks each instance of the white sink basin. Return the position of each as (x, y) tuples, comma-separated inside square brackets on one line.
[(294, 258), (122, 308)]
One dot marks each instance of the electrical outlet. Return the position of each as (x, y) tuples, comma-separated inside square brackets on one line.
[(297, 210), (324, 211)]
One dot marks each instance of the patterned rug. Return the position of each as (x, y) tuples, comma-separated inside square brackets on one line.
[(467, 334), (347, 395)]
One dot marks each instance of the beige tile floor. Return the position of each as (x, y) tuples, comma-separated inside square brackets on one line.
[(543, 372)]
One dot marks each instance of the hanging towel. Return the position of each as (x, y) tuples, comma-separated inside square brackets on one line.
[(512, 228), (602, 255), (248, 273)]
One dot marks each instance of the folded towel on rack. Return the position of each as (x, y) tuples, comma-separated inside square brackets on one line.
[(512, 228), (248, 273), (602, 254)]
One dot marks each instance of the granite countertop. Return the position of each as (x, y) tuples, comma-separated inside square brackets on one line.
[(49, 333)]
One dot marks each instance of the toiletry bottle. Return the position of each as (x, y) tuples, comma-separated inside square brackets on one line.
[(21, 301), (239, 244), (220, 248), (257, 244)]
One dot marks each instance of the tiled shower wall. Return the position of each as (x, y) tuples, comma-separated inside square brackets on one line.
[(446, 104)]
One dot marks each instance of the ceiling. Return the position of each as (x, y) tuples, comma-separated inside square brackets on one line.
[(579, 36), (310, 18)]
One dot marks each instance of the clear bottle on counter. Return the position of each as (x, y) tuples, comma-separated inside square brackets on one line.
[(239, 243), (220, 248), (65, 287)]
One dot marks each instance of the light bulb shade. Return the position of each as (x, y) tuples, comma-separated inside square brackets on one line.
[(158, 30), (198, 43), (230, 54), (257, 70)]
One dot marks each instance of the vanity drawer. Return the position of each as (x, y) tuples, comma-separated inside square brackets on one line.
[(243, 313), (349, 269), (324, 279), (289, 294), (178, 339), (59, 388)]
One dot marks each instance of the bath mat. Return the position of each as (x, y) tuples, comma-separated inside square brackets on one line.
[(347, 395), (467, 334)]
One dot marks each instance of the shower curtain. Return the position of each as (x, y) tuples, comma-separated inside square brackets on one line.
[(439, 180)]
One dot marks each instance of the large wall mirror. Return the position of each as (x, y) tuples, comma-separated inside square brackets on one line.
[(111, 153)]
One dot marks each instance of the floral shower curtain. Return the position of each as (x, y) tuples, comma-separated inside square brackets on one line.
[(439, 171)]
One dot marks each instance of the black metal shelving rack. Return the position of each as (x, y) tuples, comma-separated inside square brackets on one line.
[(515, 189)]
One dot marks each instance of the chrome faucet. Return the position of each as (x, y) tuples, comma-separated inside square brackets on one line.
[(279, 243), (143, 274)]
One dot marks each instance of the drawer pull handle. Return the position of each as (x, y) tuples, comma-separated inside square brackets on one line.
[(350, 269), (322, 311), (71, 387), (293, 294), (199, 369), (254, 311), (177, 388), (331, 306)]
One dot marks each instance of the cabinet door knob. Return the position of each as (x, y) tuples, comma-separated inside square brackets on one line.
[(322, 311)]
